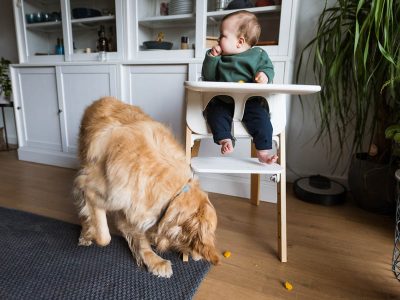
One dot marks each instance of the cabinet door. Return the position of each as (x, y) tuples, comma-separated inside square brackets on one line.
[(87, 21), (276, 19), (159, 91), (37, 109), (79, 87), (67, 30), (152, 20), (39, 25)]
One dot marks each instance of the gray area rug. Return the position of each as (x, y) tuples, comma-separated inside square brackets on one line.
[(40, 259)]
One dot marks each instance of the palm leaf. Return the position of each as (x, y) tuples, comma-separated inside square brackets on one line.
[(355, 58)]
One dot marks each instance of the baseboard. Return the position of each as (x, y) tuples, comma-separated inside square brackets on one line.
[(58, 159), (237, 185)]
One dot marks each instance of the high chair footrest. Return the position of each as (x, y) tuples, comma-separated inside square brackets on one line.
[(229, 165)]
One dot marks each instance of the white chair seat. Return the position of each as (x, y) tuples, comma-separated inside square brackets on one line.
[(233, 165)]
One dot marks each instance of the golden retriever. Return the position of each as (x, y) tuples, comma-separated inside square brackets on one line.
[(132, 166)]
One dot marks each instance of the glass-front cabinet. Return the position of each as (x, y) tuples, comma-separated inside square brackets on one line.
[(140, 51), (268, 13), (127, 30), (69, 30), (166, 28), (186, 28)]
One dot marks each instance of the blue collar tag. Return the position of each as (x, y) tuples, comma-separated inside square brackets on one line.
[(186, 188)]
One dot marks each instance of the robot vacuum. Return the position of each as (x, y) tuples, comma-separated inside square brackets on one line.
[(319, 190)]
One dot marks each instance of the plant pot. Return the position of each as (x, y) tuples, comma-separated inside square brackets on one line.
[(372, 184), (396, 250)]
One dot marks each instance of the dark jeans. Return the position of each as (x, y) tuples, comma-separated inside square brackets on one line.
[(256, 119)]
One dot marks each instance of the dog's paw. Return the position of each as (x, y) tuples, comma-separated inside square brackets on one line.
[(103, 240), (84, 241), (163, 268), (196, 256)]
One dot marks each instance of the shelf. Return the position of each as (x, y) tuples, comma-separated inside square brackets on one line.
[(168, 21), (165, 54), (93, 20), (51, 26), (45, 26), (218, 15)]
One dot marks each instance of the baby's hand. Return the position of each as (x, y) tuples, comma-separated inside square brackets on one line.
[(261, 77), (216, 50)]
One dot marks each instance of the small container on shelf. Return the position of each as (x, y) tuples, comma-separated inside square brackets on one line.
[(163, 9), (264, 3), (184, 42), (102, 44), (59, 50)]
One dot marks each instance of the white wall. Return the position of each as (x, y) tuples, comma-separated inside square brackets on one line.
[(304, 157), (8, 50)]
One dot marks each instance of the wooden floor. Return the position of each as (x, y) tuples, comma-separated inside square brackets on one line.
[(338, 252)]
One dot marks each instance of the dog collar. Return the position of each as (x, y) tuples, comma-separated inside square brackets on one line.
[(184, 189)]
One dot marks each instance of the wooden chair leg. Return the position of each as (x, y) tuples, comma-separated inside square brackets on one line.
[(281, 199), (255, 182), (188, 144), (191, 151), (196, 148)]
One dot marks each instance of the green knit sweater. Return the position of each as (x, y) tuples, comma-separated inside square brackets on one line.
[(233, 68)]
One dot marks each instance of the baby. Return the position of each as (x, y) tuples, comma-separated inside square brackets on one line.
[(235, 59)]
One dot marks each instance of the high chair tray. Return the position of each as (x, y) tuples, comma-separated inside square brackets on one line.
[(230, 165), (231, 87)]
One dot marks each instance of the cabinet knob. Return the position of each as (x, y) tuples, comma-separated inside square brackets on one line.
[(59, 111), (18, 107)]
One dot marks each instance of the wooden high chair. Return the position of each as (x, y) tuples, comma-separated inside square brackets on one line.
[(199, 93)]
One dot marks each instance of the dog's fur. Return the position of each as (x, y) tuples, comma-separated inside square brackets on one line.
[(132, 166)]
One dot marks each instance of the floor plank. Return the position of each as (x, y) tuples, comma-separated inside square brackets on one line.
[(339, 252)]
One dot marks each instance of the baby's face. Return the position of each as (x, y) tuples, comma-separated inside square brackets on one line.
[(228, 39)]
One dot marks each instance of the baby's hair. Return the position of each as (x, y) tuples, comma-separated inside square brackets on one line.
[(248, 25)]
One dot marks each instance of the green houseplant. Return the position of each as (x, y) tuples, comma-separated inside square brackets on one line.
[(393, 133), (5, 82), (355, 57)]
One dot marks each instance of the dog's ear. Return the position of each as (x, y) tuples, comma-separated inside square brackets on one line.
[(205, 245), (208, 252)]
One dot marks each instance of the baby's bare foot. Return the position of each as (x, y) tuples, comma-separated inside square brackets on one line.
[(265, 157), (226, 146)]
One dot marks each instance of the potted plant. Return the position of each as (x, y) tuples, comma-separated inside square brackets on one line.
[(355, 57), (5, 82), (393, 133)]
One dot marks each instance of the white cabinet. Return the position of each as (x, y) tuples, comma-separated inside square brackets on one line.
[(78, 88), (201, 27), (67, 30), (37, 109), (49, 104), (75, 24), (158, 90), (146, 23), (52, 90), (274, 20)]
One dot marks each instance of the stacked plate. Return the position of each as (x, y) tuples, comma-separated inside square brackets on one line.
[(179, 7)]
